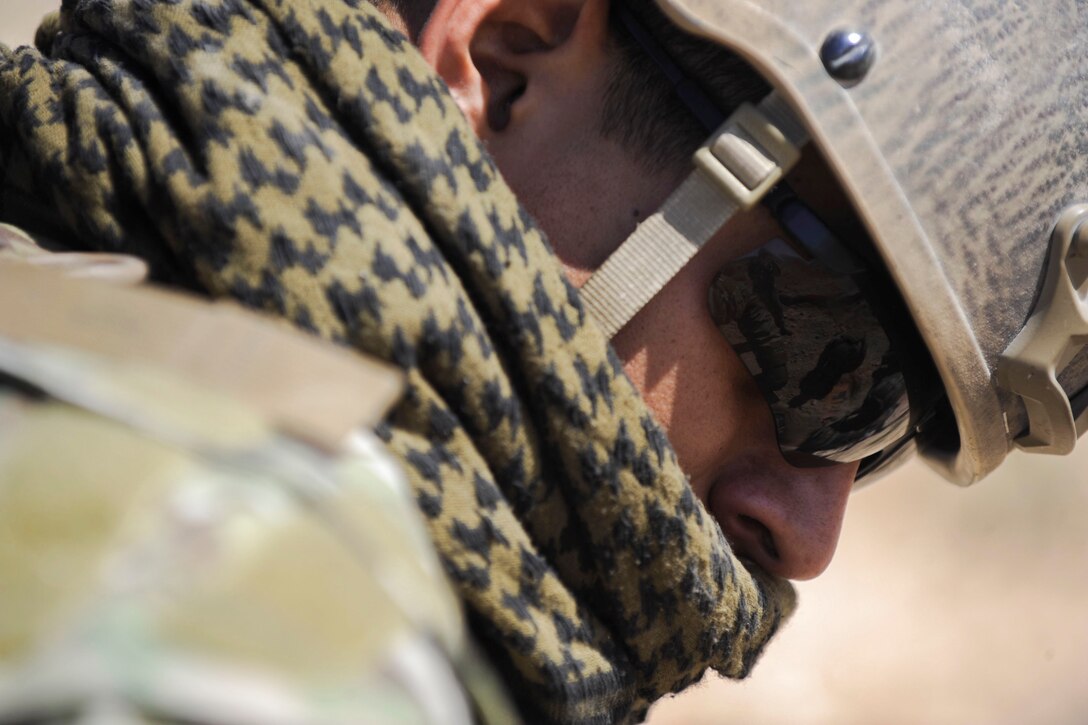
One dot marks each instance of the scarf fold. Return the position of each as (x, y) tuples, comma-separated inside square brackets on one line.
[(301, 157)]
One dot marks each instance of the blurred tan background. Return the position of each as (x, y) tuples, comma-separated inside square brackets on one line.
[(943, 605)]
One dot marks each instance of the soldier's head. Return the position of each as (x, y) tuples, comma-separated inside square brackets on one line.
[(593, 110)]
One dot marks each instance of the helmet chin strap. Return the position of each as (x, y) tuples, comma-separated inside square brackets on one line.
[(734, 169)]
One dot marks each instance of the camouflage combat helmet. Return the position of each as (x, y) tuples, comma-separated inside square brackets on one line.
[(959, 131)]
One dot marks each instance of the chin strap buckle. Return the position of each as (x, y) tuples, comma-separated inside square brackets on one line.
[(740, 163), (747, 156), (1052, 337)]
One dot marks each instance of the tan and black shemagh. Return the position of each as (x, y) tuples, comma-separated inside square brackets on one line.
[(301, 157)]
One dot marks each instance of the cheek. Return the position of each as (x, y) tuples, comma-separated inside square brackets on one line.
[(718, 414), (524, 166), (693, 382), (544, 152)]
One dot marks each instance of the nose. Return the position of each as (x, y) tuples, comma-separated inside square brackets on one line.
[(785, 519)]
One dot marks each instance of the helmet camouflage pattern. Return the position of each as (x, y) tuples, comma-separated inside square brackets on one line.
[(962, 148)]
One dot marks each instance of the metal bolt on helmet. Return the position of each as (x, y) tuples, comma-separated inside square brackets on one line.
[(848, 55)]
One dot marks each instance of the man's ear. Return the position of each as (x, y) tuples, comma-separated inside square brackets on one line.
[(490, 52)]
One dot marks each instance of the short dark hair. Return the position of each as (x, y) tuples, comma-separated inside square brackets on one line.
[(642, 113), (413, 12)]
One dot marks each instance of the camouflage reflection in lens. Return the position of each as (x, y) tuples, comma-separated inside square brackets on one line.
[(821, 358)]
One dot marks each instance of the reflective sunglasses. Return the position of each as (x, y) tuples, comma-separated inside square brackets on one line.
[(819, 327)]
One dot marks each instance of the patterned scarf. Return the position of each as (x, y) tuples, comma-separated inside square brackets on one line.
[(301, 157)]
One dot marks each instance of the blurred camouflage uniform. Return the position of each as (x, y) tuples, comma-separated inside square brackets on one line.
[(174, 547)]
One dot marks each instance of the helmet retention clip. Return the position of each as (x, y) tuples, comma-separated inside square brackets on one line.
[(1053, 335)]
